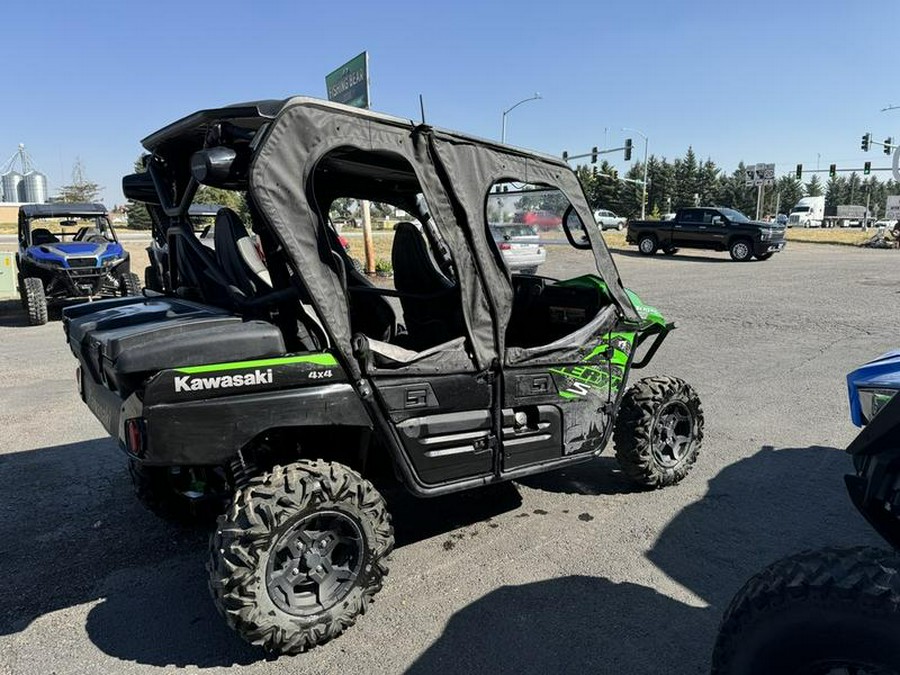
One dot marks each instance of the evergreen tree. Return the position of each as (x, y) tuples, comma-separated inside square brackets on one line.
[(813, 187)]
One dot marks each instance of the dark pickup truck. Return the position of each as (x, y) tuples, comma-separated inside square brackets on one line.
[(717, 229)]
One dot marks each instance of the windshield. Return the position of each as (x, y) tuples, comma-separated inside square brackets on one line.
[(734, 216), (800, 209), (86, 228)]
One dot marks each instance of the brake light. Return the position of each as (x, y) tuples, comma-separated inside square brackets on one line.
[(504, 247), (134, 436)]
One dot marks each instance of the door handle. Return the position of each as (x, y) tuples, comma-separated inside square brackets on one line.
[(676, 227), (702, 227), (416, 398)]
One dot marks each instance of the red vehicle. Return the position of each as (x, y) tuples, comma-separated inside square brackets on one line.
[(545, 220)]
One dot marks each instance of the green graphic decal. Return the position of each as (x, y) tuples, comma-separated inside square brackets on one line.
[(587, 377), (316, 359)]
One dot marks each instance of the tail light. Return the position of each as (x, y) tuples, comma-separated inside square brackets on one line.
[(504, 247), (135, 436)]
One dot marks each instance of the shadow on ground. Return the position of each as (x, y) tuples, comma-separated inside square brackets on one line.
[(600, 476), (74, 533), (681, 255), (767, 506)]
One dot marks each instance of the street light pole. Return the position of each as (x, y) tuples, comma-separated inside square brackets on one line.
[(646, 144), (509, 110)]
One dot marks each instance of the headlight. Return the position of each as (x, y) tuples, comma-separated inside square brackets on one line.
[(765, 235), (871, 401)]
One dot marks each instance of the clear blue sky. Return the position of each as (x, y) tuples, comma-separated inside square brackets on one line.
[(761, 81)]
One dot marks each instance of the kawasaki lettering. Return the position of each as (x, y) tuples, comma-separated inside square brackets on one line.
[(188, 383)]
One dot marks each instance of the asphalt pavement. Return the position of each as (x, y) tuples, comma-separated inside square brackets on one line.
[(572, 571)]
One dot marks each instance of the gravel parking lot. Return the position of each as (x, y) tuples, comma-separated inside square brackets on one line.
[(567, 572)]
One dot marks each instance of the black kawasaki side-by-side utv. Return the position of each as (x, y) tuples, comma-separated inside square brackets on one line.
[(273, 383)]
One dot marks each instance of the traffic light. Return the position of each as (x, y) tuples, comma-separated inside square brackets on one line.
[(832, 170), (887, 145), (565, 155), (867, 168), (627, 149), (594, 152), (799, 171), (866, 141)]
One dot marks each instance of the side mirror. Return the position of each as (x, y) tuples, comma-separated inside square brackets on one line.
[(139, 187), (575, 230)]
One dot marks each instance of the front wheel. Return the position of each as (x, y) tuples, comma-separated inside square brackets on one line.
[(647, 244), (299, 555), (659, 431), (741, 250), (129, 284), (817, 612), (35, 301)]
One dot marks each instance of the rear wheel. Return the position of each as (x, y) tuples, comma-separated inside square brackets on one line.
[(129, 284), (659, 431), (647, 244), (299, 555), (741, 250), (620, 225), (34, 301), (817, 612)]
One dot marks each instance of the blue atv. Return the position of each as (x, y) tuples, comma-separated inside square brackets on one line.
[(833, 610), (69, 252)]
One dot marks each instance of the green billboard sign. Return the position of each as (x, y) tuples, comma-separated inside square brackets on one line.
[(349, 84)]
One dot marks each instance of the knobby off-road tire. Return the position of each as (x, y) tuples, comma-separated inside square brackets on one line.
[(833, 610), (659, 431), (647, 244), (741, 250), (129, 284), (299, 554), (35, 301), (167, 492)]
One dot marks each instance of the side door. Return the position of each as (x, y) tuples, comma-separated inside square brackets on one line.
[(557, 381), (716, 230), (686, 228)]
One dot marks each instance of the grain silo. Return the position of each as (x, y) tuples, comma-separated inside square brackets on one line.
[(35, 187), (12, 186)]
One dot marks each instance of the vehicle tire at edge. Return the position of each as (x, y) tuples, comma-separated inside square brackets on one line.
[(259, 517), (647, 244), (35, 301), (830, 607), (741, 250), (129, 284), (637, 433)]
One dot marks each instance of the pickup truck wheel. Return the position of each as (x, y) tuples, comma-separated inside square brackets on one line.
[(647, 244), (35, 301), (299, 555), (741, 250), (827, 611), (659, 431)]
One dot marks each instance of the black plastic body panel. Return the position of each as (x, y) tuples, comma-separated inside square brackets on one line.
[(210, 431), (531, 434)]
